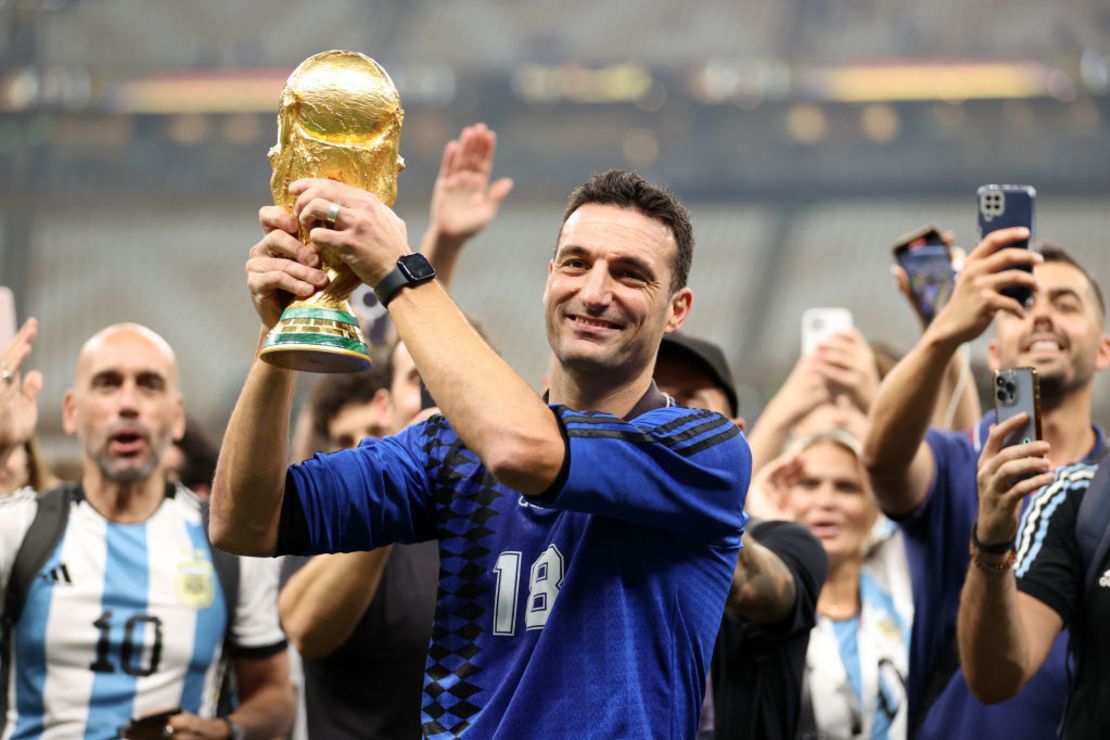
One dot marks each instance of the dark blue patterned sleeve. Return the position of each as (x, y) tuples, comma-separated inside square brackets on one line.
[(678, 469), (374, 495)]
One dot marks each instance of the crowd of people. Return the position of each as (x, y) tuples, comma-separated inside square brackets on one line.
[(449, 553)]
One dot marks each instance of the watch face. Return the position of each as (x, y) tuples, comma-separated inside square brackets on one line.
[(416, 267)]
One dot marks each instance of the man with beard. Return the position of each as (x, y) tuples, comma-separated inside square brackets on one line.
[(126, 617), (586, 544), (927, 478)]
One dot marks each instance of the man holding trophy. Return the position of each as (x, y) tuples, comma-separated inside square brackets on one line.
[(587, 543)]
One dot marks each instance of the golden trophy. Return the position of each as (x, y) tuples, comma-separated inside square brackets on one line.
[(340, 118)]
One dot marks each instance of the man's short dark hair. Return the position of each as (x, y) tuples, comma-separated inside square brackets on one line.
[(1056, 253), (627, 189), (333, 393)]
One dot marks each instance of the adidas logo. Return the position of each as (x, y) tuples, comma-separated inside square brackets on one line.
[(57, 575), (1104, 581)]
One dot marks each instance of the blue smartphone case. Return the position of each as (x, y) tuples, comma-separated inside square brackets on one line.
[(1003, 206)]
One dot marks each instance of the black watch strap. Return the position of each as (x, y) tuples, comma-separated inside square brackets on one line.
[(991, 548), (411, 269)]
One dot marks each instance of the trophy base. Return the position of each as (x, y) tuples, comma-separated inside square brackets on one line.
[(316, 340)]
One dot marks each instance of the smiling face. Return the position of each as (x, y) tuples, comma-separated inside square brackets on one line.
[(608, 300), (1061, 335), (832, 500), (124, 406)]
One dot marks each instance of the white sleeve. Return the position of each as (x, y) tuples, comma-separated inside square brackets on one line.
[(17, 511), (256, 629)]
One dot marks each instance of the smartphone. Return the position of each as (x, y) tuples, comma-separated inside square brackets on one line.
[(927, 260), (148, 726), (818, 324), (8, 324), (1015, 391), (1003, 206)]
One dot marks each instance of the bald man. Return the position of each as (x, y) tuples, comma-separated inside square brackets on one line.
[(128, 617)]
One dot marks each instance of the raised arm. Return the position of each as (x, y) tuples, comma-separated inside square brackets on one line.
[(804, 390), (19, 392), (896, 454), (250, 476), (957, 406), (464, 202), (763, 589), (1004, 635), (322, 603), (494, 411)]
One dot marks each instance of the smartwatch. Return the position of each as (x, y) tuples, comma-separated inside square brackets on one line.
[(411, 269)]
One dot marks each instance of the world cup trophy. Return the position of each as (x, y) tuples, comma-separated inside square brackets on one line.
[(340, 119)]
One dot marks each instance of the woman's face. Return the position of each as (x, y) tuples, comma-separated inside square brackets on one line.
[(832, 501), (13, 474)]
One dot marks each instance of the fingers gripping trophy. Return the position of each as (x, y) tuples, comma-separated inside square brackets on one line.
[(340, 119)]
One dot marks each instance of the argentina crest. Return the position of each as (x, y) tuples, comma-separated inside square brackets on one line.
[(196, 586)]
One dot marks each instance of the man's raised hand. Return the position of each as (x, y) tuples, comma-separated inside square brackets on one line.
[(989, 269), (19, 391), (464, 201)]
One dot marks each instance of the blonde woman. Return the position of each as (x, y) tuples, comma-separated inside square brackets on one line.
[(858, 655)]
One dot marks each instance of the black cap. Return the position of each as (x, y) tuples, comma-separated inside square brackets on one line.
[(708, 356)]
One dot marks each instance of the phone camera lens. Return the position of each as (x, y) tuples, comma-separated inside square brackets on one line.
[(1010, 388), (1000, 381)]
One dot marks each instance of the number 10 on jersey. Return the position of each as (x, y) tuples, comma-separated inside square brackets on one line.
[(544, 582)]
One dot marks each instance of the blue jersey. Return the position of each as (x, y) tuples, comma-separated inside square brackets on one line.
[(937, 552), (125, 619), (590, 611)]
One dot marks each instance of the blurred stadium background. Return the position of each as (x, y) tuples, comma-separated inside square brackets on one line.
[(805, 135)]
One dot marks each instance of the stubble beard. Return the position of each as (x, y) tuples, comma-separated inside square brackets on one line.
[(122, 475)]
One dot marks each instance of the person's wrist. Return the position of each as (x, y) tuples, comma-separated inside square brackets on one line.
[(444, 239), (379, 271), (232, 729), (940, 336), (991, 540)]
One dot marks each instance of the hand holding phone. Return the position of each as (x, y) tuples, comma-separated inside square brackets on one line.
[(150, 726), (818, 324), (1016, 391), (927, 260), (1004, 206)]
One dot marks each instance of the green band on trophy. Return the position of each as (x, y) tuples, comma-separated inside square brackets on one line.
[(319, 313), (319, 340)]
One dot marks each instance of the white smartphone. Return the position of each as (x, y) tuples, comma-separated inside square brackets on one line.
[(8, 325), (818, 324)]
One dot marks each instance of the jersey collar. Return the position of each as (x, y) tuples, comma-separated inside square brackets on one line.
[(652, 399)]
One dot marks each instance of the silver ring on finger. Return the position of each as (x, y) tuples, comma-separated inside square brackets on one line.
[(6, 374), (167, 731), (333, 213)]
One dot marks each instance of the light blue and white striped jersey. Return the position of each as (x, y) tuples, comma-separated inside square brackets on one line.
[(126, 619)]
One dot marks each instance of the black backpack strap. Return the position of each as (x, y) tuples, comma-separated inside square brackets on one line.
[(39, 543), (1092, 525)]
